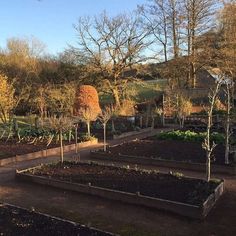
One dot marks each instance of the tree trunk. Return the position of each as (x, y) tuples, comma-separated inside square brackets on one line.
[(207, 145), (208, 150), (88, 128), (227, 128), (193, 74), (116, 96), (141, 121), (61, 147), (113, 126), (208, 167), (163, 119), (104, 138), (174, 32), (76, 138), (153, 122), (165, 52)]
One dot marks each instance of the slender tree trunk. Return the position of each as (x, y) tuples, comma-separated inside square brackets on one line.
[(141, 121), (113, 126), (88, 128), (147, 120), (76, 138), (208, 167), (193, 74), (163, 119), (174, 35), (104, 138), (227, 128), (61, 146), (165, 52), (207, 144), (208, 151), (153, 122)]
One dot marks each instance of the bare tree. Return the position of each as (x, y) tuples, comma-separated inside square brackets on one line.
[(104, 117), (229, 85), (163, 18), (226, 61), (198, 19), (59, 125), (207, 145), (183, 109), (109, 46), (156, 19)]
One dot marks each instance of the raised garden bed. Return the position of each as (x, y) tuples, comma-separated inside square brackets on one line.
[(18, 221), (15, 152), (172, 192), (167, 153)]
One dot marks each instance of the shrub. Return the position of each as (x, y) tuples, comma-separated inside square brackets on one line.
[(86, 137), (127, 108), (86, 105), (87, 98)]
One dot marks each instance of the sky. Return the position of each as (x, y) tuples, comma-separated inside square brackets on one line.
[(51, 21)]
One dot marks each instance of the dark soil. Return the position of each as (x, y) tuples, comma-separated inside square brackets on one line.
[(169, 150), (15, 221), (152, 184), (12, 148)]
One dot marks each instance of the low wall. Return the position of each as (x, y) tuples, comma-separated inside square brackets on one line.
[(45, 153), (164, 163), (192, 211), (131, 133)]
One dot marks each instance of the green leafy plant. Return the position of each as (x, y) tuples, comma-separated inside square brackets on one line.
[(190, 136)]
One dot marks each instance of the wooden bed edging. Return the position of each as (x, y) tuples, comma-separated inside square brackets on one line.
[(45, 153), (192, 211), (131, 133), (60, 219), (100, 155)]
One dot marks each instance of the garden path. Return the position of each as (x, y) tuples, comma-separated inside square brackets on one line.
[(117, 217)]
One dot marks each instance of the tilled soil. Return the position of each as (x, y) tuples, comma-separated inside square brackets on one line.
[(12, 148), (169, 150), (15, 221), (153, 184)]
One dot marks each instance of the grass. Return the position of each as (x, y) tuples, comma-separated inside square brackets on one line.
[(139, 92)]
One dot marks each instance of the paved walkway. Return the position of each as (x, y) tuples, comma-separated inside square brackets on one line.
[(125, 219)]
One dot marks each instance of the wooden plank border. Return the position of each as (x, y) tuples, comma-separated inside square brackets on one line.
[(45, 153), (188, 210)]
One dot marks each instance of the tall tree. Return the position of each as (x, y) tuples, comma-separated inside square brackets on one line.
[(198, 20), (109, 46), (227, 30), (163, 18)]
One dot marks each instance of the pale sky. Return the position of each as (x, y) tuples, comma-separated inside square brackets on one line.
[(51, 21)]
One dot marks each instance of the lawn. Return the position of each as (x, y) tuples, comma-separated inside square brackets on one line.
[(139, 92)]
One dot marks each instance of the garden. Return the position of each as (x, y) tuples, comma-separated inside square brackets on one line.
[(173, 192), (135, 119), (21, 135), (171, 149)]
